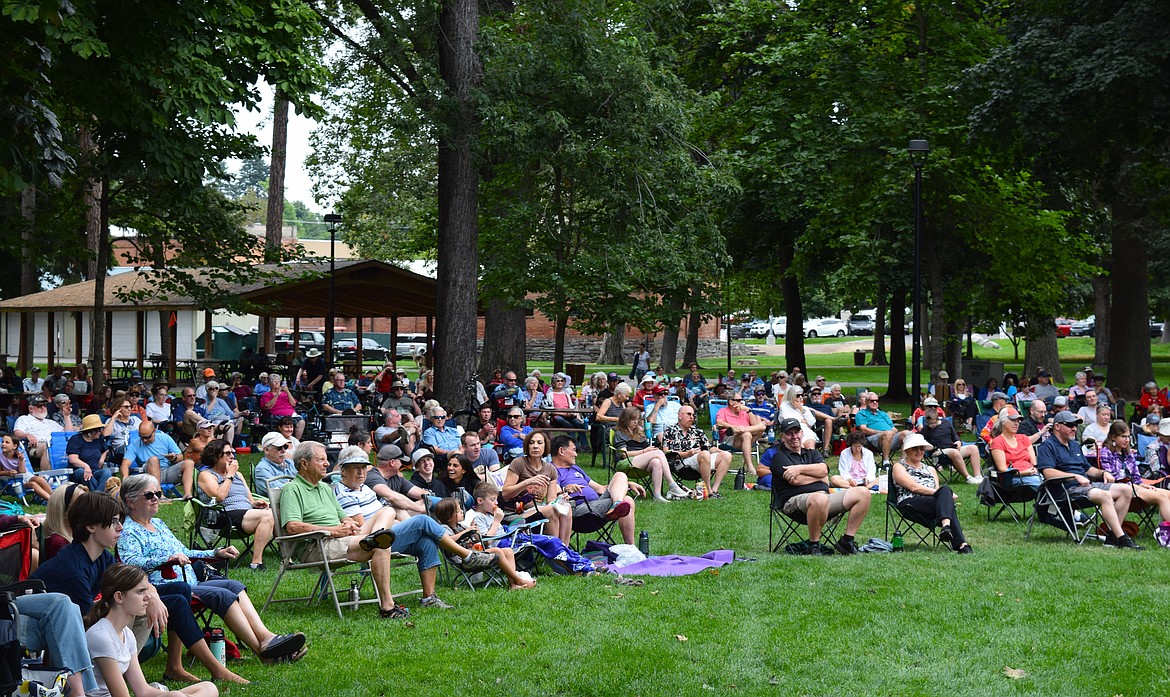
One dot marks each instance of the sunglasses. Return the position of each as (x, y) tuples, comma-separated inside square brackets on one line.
[(515, 416), (230, 453), (439, 416), (152, 495)]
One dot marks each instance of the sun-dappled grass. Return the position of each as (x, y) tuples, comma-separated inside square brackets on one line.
[(1077, 620)]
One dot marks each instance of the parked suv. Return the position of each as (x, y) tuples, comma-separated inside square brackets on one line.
[(283, 343), (860, 325), (346, 350)]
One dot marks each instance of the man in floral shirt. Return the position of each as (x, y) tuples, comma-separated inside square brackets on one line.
[(690, 444)]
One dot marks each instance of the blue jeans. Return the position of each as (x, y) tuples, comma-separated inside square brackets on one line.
[(97, 482), (419, 536), (51, 622), (1032, 481)]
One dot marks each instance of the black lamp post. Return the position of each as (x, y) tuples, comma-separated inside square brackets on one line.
[(918, 151), (332, 220)]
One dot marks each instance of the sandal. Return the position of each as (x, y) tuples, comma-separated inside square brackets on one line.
[(283, 645), (379, 539), (397, 612), (625, 581)]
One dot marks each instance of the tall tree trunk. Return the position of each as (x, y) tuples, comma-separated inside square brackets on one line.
[(1130, 368), (611, 345), (274, 218), (1165, 331), (458, 241), (1101, 310), (694, 323), (794, 310), (28, 273), (952, 349), (560, 325), (669, 357), (879, 327), (97, 230), (934, 355), (504, 345), (897, 390), (1042, 351)]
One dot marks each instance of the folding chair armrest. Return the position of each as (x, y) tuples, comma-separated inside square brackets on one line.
[(311, 535), (32, 585)]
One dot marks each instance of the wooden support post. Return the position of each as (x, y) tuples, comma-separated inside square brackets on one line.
[(109, 366), (78, 328), (207, 334), (23, 359), (173, 353), (140, 340), (394, 340), (50, 342)]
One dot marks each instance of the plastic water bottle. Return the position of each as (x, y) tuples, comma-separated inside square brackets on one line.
[(898, 543), (740, 478), (644, 543), (354, 594), (218, 646)]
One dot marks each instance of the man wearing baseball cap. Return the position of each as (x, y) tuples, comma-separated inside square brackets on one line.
[(800, 487), (1060, 459), (386, 480), (275, 463), (208, 376)]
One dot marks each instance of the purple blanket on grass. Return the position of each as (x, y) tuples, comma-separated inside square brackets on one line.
[(675, 565)]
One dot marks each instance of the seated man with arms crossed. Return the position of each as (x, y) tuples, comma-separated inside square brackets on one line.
[(801, 483), (1061, 458)]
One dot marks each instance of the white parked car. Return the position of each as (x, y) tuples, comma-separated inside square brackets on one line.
[(827, 326), (779, 327)]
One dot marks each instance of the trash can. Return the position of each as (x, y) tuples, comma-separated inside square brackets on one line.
[(859, 357), (576, 372)]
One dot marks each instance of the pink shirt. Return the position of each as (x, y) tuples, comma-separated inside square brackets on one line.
[(284, 405), (729, 417)]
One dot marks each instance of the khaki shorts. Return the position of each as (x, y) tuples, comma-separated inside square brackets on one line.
[(336, 548), (800, 503)]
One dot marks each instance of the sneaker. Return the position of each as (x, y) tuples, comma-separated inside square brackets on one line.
[(257, 567), (975, 480), (966, 549), (379, 539), (815, 549), (435, 602), (619, 510), (673, 495), (476, 561), (1125, 541), (885, 465), (846, 548), (395, 613), (945, 534)]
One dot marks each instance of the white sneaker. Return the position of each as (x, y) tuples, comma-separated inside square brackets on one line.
[(975, 480)]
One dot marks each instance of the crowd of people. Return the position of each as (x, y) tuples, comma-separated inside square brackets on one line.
[(515, 461)]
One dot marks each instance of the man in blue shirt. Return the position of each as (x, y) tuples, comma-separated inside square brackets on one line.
[(1060, 458), (275, 462), (440, 438), (87, 453), (340, 399), (763, 409), (878, 427), (159, 455)]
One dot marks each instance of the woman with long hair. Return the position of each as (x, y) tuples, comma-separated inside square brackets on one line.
[(57, 532), (125, 590), (630, 438), (1117, 458)]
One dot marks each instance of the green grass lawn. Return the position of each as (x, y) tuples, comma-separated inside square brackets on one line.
[(1076, 620)]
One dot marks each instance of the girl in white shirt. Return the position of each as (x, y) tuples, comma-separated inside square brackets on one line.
[(111, 641)]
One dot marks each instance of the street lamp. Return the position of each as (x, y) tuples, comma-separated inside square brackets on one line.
[(332, 220), (918, 151)]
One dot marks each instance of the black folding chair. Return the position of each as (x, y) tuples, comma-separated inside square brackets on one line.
[(783, 526), (1056, 507), (907, 520), (996, 492)]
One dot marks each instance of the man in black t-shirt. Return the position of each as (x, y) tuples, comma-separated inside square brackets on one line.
[(800, 484)]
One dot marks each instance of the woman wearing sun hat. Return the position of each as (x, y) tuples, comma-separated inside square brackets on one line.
[(917, 488)]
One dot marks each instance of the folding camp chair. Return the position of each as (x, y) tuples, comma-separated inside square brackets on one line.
[(1054, 506), (15, 554), (907, 519), (790, 525), (996, 492), (713, 407), (212, 528), (290, 559), (481, 579), (620, 462)]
